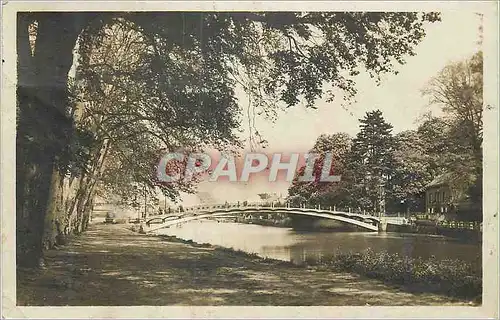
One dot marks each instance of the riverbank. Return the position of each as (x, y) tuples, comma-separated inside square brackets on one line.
[(110, 265), (451, 277), (466, 235)]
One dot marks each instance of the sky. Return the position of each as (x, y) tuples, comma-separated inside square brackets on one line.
[(453, 39)]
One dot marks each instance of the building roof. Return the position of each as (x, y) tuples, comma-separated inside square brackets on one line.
[(442, 179), (453, 179)]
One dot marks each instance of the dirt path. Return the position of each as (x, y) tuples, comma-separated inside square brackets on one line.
[(110, 265)]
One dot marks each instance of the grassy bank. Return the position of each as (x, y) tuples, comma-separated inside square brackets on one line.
[(111, 266), (228, 251), (453, 278)]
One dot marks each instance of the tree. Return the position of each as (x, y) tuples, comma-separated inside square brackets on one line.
[(458, 90), (421, 156), (138, 120), (316, 191), (412, 172), (372, 162), (432, 151), (291, 55)]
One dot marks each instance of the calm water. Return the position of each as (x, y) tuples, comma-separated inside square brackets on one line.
[(296, 246)]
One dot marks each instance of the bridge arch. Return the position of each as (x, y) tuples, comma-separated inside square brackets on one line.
[(353, 219), (161, 218)]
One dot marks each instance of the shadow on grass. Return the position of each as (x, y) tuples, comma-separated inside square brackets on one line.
[(112, 266)]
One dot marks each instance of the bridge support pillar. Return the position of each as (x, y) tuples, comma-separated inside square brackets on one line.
[(382, 226)]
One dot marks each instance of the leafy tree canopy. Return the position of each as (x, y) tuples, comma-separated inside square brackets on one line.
[(154, 81)]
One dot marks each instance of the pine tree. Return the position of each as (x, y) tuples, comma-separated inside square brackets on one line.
[(372, 161)]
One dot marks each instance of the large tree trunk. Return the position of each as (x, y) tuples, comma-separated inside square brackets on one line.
[(42, 126), (55, 211)]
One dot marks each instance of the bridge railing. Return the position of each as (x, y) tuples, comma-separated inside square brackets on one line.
[(247, 205), (270, 204)]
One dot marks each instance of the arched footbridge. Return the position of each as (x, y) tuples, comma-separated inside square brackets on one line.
[(364, 221)]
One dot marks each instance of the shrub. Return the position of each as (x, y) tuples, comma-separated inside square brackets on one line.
[(452, 277)]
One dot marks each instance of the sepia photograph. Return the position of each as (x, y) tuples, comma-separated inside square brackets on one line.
[(210, 154)]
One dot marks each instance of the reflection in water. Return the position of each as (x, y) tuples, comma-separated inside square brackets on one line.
[(297, 246)]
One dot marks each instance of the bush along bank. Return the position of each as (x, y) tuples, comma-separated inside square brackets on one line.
[(454, 278)]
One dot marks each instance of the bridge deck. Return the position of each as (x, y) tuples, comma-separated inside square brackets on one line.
[(351, 218), (216, 211)]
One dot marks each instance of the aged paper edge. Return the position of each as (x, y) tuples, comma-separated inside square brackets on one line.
[(489, 309)]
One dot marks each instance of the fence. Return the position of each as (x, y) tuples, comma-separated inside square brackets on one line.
[(466, 225)]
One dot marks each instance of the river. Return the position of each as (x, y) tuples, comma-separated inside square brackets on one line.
[(297, 246)]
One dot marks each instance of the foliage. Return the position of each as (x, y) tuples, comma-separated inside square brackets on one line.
[(316, 191), (372, 161), (431, 151), (151, 81), (299, 50), (458, 90), (164, 80), (141, 106), (452, 277), (285, 58), (411, 172), (365, 164), (404, 164)]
